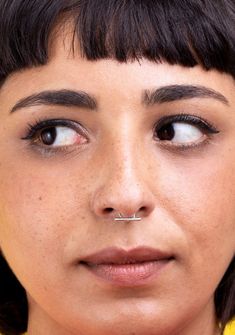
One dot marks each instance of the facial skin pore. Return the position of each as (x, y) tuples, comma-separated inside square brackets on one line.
[(55, 205)]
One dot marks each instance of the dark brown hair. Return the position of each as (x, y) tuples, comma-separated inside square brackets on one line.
[(185, 32)]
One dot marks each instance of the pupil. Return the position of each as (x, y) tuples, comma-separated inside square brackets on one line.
[(166, 133), (48, 136)]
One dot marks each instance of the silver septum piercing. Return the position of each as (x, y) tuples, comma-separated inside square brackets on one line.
[(129, 218)]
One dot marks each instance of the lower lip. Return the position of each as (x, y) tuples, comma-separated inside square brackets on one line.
[(128, 274)]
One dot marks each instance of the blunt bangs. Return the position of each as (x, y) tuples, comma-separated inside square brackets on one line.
[(183, 32)]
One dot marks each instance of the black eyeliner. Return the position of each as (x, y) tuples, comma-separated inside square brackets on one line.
[(187, 118), (40, 125)]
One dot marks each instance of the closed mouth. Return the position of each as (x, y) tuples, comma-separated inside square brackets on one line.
[(126, 267)]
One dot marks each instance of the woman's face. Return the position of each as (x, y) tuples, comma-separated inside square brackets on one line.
[(152, 139)]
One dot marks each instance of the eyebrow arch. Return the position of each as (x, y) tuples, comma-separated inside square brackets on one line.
[(181, 92), (67, 98)]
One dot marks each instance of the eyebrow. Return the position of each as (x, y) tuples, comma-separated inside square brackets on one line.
[(180, 92), (67, 98), (70, 98)]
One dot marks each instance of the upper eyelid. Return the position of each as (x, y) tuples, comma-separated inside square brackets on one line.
[(43, 124), (186, 118)]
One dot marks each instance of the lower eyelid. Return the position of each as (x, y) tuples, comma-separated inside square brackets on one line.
[(184, 147), (48, 152)]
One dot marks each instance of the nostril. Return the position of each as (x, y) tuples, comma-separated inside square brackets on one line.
[(142, 209), (108, 210)]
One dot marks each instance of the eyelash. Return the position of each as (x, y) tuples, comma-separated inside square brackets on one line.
[(40, 125)]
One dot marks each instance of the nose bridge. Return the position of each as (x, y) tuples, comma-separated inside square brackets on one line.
[(124, 165), (124, 138)]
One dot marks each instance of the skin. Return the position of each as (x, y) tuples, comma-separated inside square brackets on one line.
[(53, 206)]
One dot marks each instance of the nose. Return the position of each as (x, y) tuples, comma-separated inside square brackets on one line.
[(123, 189)]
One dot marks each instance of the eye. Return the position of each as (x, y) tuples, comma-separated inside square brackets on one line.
[(60, 136), (55, 134), (177, 132), (183, 129)]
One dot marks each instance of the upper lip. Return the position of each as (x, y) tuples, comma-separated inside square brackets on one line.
[(115, 255)]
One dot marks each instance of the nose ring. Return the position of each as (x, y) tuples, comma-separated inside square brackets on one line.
[(120, 217)]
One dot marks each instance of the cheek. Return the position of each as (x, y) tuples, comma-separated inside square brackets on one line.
[(39, 217), (201, 200)]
